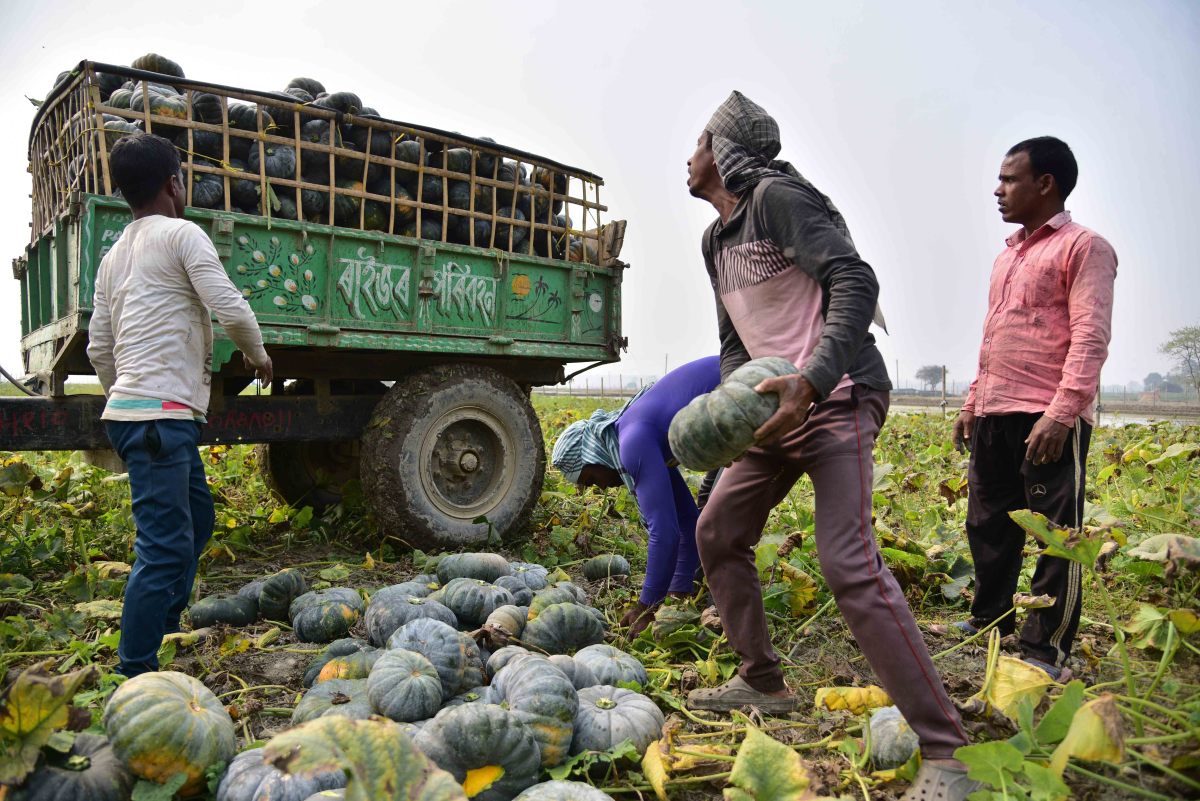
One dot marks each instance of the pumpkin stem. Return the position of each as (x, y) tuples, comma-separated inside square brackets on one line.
[(605, 703)]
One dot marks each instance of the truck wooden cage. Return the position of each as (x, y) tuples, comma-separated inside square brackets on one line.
[(76, 127)]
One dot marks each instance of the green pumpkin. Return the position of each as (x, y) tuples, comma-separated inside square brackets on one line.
[(485, 748), (893, 742), (612, 665), (519, 590), (508, 619), (483, 566), (338, 697), (122, 97), (115, 129), (153, 62), (580, 674), (501, 657), (325, 615), (563, 628), (606, 566), (549, 597), (576, 591), (310, 85), (165, 723), (718, 427), (480, 695), (472, 600), (351, 666), (559, 790), (335, 649), (389, 610), (278, 591), (610, 715), (454, 655), (206, 107), (534, 576), (244, 117), (252, 778), (277, 161), (232, 610), (543, 698), (379, 760), (404, 686), (208, 191), (90, 770)]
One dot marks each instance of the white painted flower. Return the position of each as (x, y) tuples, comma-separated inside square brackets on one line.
[(259, 256), (308, 276), (290, 285), (294, 259), (275, 270), (262, 283), (241, 268), (243, 240), (309, 302), (247, 292), (279, 301), (308, 250), (275, 241)]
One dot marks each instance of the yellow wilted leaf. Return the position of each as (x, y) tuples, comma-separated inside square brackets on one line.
[(767, 770), (1013, 681), (696, 755), (101, 610), (108, 570), (369, 562), (853, 699), (34, 706), (654, 770), (1096, 735), (1026, 601), (1185, 620)]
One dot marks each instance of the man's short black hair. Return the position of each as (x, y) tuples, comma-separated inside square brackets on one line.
[(1050, 155), (141, 164)]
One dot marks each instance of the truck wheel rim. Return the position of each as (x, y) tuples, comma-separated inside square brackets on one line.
[(467, 462)]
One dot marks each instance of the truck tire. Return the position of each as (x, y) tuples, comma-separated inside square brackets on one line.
[(313, 473), (449, 445), (308, 473)]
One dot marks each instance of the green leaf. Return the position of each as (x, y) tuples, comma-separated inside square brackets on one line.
[(1174, 451), (1149, 628), (1054, 724), (1043, 784), (153, 791), (15, 477), (335, 573), (766, 770), (992, 763), (377, 758), (1079, 547), (35, 706)]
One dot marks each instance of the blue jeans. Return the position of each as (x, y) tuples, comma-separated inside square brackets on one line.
[(173, 510)]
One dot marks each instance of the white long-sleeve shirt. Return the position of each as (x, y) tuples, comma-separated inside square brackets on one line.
[(150, 336)]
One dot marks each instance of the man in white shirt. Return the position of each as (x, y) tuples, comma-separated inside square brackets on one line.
[(151, 345)]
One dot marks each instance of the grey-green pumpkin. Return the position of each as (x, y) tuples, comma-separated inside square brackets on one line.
[(483, 566), (605, 566), (520, 591), (718, 427), (580, 674), (89, 770), (612, 665), (388, 611), (563, 628), (543, 698), (277, 592), (335, 649), (232, 610), (343, 697), (531, 575), (454, 655), (404, 686), (251, 778), (486, 748), (893, 742), (325, 615), (472, 600), (559, 790), (610, 715)]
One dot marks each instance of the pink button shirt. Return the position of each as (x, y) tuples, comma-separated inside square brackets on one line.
[(1048, 324)]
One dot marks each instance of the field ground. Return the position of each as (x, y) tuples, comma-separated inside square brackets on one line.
[(66, 533)]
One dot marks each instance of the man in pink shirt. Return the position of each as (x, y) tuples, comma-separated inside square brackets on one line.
[(1027, 418)]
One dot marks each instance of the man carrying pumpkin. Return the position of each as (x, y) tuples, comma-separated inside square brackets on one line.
[(1027, 418), (151, 345), (629, 446), (788, 282)]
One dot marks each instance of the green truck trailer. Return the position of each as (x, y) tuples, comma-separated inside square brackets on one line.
[(412, 286)]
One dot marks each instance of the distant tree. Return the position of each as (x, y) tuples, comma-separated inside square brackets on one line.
[(1183, 346), (930, 375), (1153, 381)]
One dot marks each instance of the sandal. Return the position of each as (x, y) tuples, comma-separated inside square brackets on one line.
[(940, 783), (735, 694)]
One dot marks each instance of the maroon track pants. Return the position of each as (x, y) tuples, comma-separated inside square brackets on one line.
[(835, 447)]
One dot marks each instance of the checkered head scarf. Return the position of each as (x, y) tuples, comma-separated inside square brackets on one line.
[(592, 441), (745, 142)]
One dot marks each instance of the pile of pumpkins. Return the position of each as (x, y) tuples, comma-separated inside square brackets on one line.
[(276, 160), (426, 674)]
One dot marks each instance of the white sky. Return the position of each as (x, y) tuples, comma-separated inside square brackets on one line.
[(901, 112)]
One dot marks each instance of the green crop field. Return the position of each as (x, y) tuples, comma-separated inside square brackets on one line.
[(1127, 726)]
